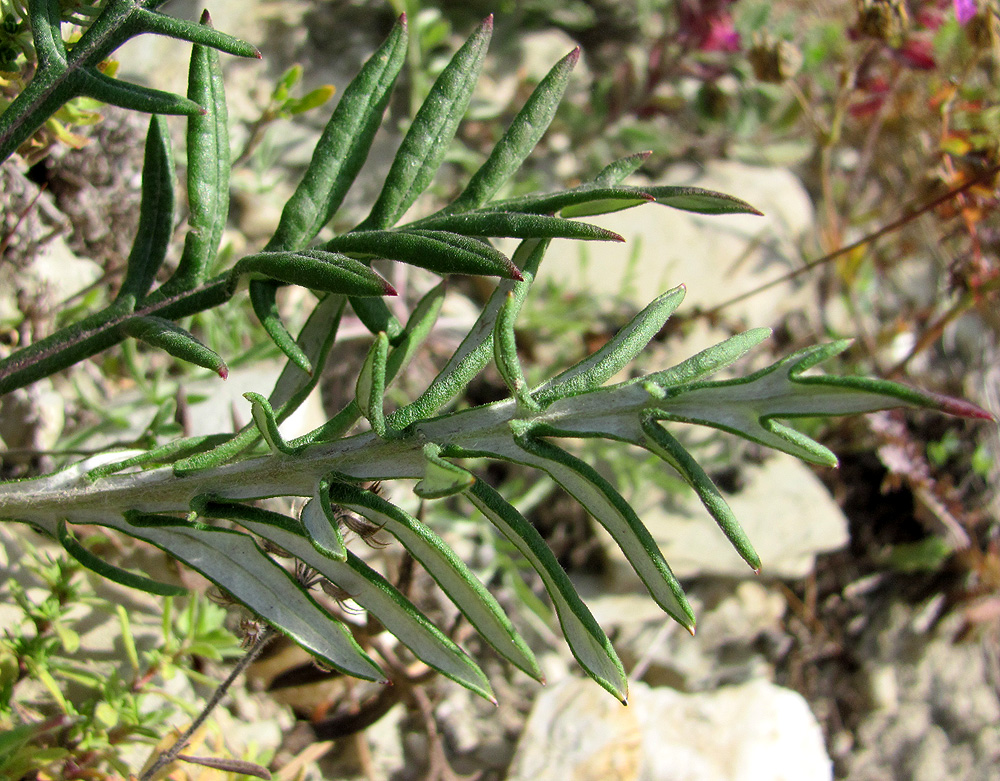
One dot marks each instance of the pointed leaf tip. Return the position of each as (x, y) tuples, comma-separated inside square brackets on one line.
[(389, 289), (206, 17), (223, 372), (488, 22), (961, 408), (573, 57)]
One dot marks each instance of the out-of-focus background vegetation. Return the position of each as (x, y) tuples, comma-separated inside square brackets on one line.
[(868, 132)]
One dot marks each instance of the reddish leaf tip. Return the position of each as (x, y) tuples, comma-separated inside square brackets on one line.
[(574, 56), (206, 17), (389, 289), (488, 22), (223, 372), (961, 408), (402, 19), (615, 236), (257, 54), (515, 273), (645, 155)]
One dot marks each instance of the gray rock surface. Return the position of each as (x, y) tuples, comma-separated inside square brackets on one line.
[(753, 732), (939, 716)]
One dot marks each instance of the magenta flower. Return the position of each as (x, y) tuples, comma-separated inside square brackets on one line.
[(965, 10), (706, 25)]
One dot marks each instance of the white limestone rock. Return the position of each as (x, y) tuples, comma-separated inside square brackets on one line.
[(753, 732)]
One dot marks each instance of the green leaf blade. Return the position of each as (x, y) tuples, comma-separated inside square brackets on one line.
[(99, 565), (331, 272), (583, 201), (171, 338), (700, 200), (441, 477), (208, 167), (517, 225), (370, 590), (462, 587), (608, 507), (662, 443), (147, 21), (343, 146), (476, 349), (264, 302), (710, 360), (319, 519), (156, 213), (424, 146), (519, 139), (620, 169), (615, 355), (370, 387), (124, 94), (233, 561), (438, 251), (584, 635)]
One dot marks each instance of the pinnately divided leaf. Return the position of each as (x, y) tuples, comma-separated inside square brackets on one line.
[(750, 406), (64, 74), (608, 508), (452, 575), (155, 495), (366, 587), (234, 562)]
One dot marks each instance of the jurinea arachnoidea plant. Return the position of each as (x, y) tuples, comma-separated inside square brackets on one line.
[(196, 498)]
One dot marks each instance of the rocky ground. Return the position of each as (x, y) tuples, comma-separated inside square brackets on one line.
[(832, 662)]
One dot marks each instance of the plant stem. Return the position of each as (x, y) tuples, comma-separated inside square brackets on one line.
[(171, 753)]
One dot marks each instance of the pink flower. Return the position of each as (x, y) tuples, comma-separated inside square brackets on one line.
[(707, 25), (916, 53), (965, 10)]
